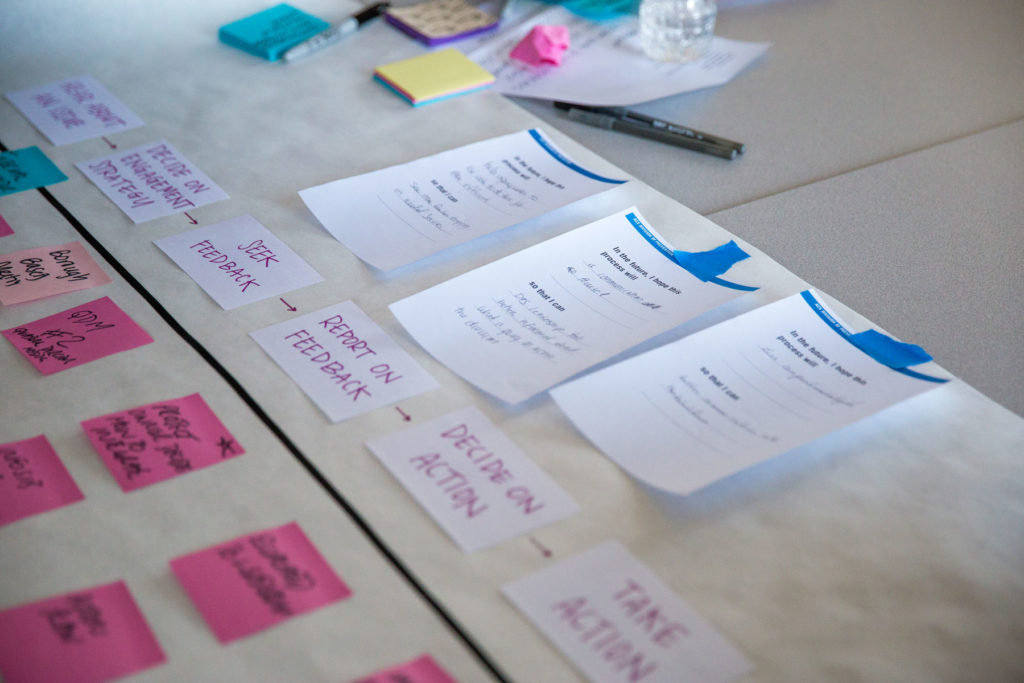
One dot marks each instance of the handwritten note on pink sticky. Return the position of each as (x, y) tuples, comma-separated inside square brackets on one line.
[(35, 273), (87, 636), (76, 336), (542, 45), (423, 669), (33, 480), (5, 228), (257, 581), (154, 442)]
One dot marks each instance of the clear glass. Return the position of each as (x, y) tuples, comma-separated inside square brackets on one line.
[(677, 30)]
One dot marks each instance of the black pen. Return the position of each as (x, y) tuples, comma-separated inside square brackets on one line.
[(645, 130), (683, 130), (335, 33), (660, 124)]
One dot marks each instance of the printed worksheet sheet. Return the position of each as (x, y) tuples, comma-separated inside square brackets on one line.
[(694, 411), (520, 325), (398, 215), (604, 64)]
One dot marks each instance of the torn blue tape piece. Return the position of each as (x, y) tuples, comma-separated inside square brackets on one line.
[(706, 266), (886, 350)]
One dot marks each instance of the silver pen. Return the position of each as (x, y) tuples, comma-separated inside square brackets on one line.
[(335, 33)]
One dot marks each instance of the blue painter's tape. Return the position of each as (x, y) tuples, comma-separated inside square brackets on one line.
[(886, 350), (706, 266), (561, 158)]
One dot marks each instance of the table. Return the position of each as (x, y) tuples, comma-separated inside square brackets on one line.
[(887, 551)]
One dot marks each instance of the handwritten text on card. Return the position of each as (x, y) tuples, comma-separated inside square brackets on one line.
[(35, 273), (238, 261), (259, 580), (154, 442), (151, 181), (76, 336), (478, 485), (74, 109), (32, 480), (343, 360), (617, 621), (91, 635)]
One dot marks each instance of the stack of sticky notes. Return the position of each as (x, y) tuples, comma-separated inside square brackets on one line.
[(434, 76), (270, 33), (441, 21)]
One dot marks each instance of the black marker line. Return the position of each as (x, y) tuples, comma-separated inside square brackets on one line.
[(353, 514)]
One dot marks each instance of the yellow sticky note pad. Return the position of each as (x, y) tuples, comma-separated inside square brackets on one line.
[(434, 76)]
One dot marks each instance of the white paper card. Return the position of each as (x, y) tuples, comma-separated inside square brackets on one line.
[(618, 623), (343, 361), (398, 215), (694, 411), (605, 64), (238, 261), (472, 479), (74, 109), (151, 181), (520, 325)]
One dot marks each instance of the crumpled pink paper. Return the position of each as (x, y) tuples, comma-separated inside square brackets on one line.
[(542, 45)]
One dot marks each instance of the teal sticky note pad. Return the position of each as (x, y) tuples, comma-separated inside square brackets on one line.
[(270, 33), (27, 169)]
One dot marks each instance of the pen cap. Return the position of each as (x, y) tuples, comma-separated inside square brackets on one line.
[(371, 12)]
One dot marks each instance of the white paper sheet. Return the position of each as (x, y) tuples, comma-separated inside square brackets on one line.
[(398, 215), (689, 413), (522, 324), (343, 361), (238, 261), (604, 64), (73, 109), (619, 623), (151, 181), (472, 479)]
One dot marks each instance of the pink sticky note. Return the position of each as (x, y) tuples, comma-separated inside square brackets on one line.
[(5, 228), (33, 480), (76, 336), (542, 45), (44, 271), (258, 580), (148, 444), (90, 635), (423, 669)]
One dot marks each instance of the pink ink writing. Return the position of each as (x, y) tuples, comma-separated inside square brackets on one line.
[(231, 269), (451, 482)]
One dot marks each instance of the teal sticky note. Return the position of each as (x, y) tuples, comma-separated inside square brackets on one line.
[(27, 169), (270, 33)]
